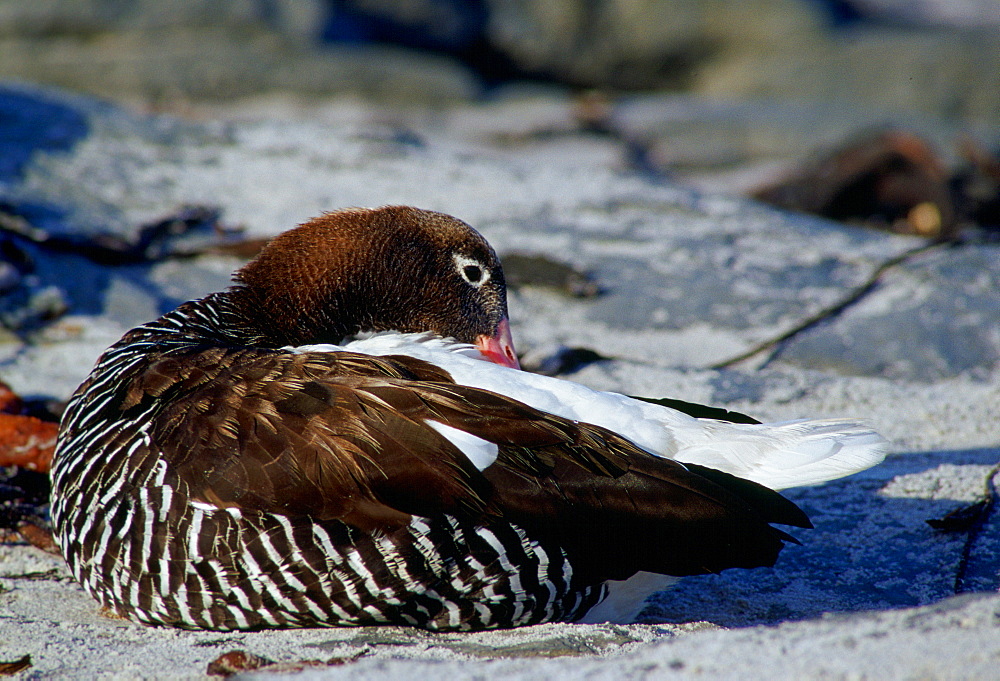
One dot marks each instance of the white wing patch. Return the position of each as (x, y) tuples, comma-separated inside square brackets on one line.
[(482, 453), (416, 345), (777, 455)]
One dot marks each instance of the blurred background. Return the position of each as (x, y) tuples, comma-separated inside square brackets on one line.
[(938, 57), (730, 95)]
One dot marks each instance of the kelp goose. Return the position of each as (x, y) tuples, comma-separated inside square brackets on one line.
[(228, 466)]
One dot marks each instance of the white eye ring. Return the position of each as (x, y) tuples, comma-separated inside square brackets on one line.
[(470, 269)]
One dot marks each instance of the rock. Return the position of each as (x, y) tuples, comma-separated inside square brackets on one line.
[(558, 360), (34, 123), (25, 440), (522, 269), (977, 184), (964, 13), (885, 72), (152, 56), (887, 180), (236, 661), (453, 26), (29, 307), (290, 18), (940, 327), (628, 45)]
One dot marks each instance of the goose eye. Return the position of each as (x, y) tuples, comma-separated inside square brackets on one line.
[(471, 270), (473, 273)]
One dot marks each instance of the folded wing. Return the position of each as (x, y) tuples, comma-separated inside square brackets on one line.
[(336, 435)]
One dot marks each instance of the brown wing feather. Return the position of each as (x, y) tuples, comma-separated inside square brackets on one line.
[(613, 506), (345, 436), (302, 435)]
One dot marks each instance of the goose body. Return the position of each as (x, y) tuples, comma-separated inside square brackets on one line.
[(236, 465)]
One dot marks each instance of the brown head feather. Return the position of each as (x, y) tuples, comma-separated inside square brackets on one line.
[(391, 268)]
